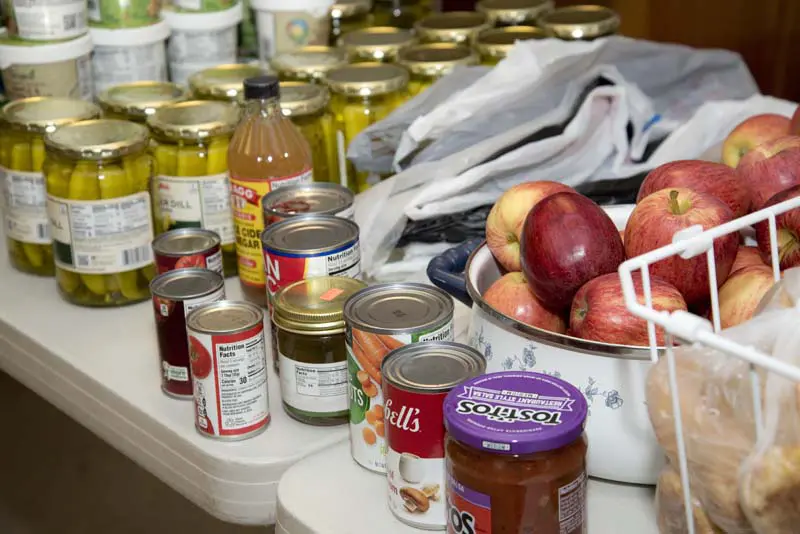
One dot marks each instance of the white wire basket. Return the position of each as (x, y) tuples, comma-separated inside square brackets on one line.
[(689, 243)]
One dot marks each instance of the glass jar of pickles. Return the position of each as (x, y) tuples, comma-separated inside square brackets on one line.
[(135, 101), (459, 27), (192, 187), (308, 64), (348, 16), (24, 124), (429, 62), (223, 82), (494, 44), (380, 44), (98, 175), (306, 105), (361, 95), (580, 23), (514, 12), (398, 13)]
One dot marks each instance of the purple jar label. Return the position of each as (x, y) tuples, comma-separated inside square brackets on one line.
[(468, 511)]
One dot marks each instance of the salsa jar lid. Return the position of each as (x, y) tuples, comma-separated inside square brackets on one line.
[(309, 62), (185, 241), (225, 317), (324, 198), (513, 12), (451, 26), (497, 42), (580, 22), (436, 59), (309, 234), (515, 412), (345, 9), (193, 120), (399, 307), (98, 139), (223, 82), (314, 305), (43, 114), (183, 284), (432, 366), (140, 99), (367, 79), (300, 98), (377, 42)]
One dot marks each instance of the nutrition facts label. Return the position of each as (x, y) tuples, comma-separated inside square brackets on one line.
[(242, 375), (25, 206), (572, 505), (316, 388), (202, 201)]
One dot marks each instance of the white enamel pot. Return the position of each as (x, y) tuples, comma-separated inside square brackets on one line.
[(622, 446)]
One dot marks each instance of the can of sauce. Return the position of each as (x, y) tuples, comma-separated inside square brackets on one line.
[(515, 455), (188, 247), (229, 369), (416, 379), (175, 294), (315, 198), (379, 319)]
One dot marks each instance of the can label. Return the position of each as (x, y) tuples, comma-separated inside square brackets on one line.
[(248, 218), (229, 372), (365, 352), (210, 259), (316, 389), (284, 269), (468, 511), (196, 202), (25, 206), (414, 427)]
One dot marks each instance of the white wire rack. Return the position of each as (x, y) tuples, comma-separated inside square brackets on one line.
[(689, 243)]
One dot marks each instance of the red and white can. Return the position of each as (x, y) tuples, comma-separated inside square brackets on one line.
[(416, 379), (184, 248), (227, 355)]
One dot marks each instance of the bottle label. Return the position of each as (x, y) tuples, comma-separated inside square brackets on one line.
[(315, 388), (196, 202), (468, 511), (26, 207), (248, 218)]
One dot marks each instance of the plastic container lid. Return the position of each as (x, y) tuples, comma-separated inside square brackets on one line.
[(515, 412), (294, 5), (13, 52), (141, 36), (198, 22)]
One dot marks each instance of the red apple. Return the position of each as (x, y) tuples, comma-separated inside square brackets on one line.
[(747, 256), (511, 296), (704, 176), (750, 133), (504, 223), (567, 240), (794, 126), (599, 312), (788, 226), (741, 293), (770, 168), (657, 217)]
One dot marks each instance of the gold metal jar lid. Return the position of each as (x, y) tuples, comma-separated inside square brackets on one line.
[(514, 12), (345, 9), (367, 79), (309, 62), (436, 59), (140, 99), (223, 82), (44, 114), (451, 27), (496, 42), (314, 305), (196, 119), (98, 139), (299, 99), (377, 42), (580, 22)]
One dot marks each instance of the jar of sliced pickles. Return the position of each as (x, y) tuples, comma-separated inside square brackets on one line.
[(308, 64), (380, 44), (98, 175), (135, 101), (494, 44), (348, 16), (24, 124), (361, 95), (429, 62), (514, 12), (580, 23), (223, 82), (192, 186), (306, 105), (398, 13), (459, 27)]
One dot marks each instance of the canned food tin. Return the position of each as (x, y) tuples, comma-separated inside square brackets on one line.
[(317, 198), (188, 247), (229, 369), (416, 379), (175, 294), (380, 319)]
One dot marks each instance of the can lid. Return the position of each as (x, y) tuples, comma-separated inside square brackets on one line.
[(496, 42), (393, 308), (196, 119), (324, 198), (309, 62), (223, 82), (432, 366), (137, 100), (451, 26), (343, 9), (515, 412), (514, 11), (437, 59), (314, 305), (365, 79), (182, 284), (580, 22), (309, 234), (98, 139), (224, 317), (299, 98), (185, 241), (43, 114), (377, 42)]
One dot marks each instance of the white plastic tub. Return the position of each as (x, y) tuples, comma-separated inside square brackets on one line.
[(45, 20), (129, 55), (47, 69), (200, 40), (284, 26)]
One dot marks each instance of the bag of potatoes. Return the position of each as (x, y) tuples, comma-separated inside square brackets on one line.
[(670, 507)]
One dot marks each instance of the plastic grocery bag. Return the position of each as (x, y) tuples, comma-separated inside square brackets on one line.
[(670, 510)]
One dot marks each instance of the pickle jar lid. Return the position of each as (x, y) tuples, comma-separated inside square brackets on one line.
[(580, 22), (309, 62), (514, 12), (299, 98), (98, 139), (344, 9), (452, 26), (515, 412), (496, 42), (377, 42), (365, 79), (223, 82), (44, 114), (196, 119), (437, 59), (314, 305), (140, 99)]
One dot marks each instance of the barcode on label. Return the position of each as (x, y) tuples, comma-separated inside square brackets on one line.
[(136, 255), (70, 22), (41, 231)]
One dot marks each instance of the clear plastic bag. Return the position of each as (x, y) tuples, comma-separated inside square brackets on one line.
[(670, 506)]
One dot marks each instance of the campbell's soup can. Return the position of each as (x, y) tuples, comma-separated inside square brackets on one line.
[(188, 247), (229, 369), (416, 379), (319, 198), (378, 320)]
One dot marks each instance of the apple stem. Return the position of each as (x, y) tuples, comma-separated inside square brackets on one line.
[(676, 207)]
